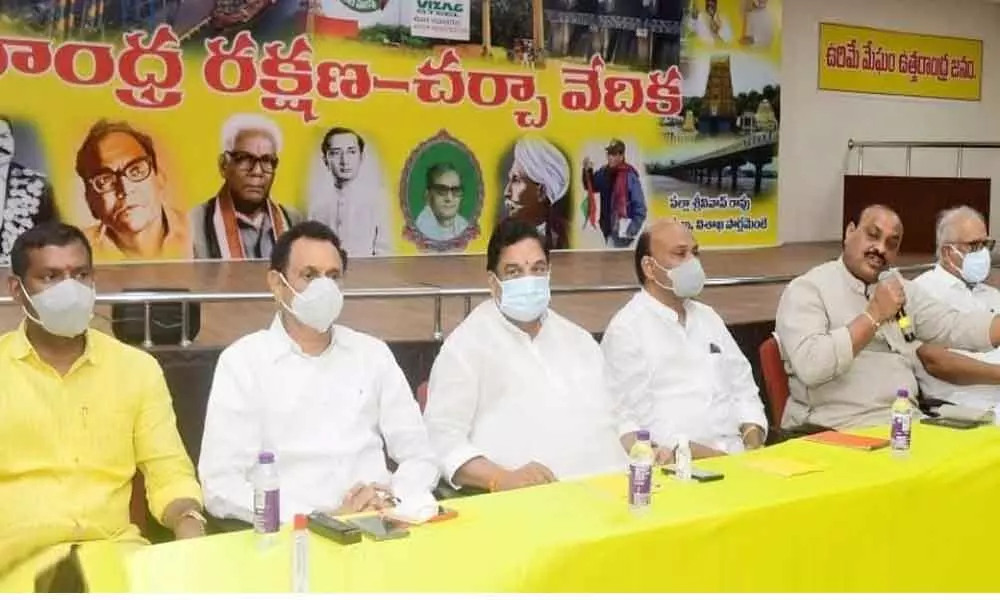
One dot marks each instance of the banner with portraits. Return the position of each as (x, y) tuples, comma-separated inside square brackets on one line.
[(201, 129)]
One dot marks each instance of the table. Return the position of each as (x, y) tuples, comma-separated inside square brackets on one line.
[(867, 521)]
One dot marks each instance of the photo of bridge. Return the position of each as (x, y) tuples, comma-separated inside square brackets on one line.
[(721, 138)]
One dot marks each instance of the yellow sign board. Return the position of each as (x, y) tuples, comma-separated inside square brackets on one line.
[(879, 61)]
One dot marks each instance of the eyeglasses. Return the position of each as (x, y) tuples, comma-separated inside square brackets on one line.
[(137, 171), (977, 245), (247, 162), (440, 190)]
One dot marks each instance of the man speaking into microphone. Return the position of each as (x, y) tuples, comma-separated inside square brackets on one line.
[(843, 329)]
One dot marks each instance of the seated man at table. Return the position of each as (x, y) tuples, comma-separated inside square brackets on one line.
[(320, 396), (672, 361), (517, 395), (839, 331), (80, 412), (959, 280)]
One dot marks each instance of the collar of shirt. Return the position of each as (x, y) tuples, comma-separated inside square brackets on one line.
[(283, 344), (259, 221), (853, 283), (514, 329), (21, 348), (954, 281), (662, 309)]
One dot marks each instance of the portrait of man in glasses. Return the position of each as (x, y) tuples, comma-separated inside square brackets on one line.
[(243, 221), (440, 219), (125, 190)]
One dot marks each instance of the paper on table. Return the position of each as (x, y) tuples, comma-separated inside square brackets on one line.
[(783, 467)]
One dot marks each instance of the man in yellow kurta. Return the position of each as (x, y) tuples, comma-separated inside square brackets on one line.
[(80, 412)]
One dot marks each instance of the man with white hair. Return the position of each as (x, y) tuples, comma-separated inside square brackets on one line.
[(538, 180), (242, 221), (959, 280), (355, 205)]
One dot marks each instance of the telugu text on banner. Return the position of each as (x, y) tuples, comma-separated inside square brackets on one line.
[(190, 129), (877, 61)]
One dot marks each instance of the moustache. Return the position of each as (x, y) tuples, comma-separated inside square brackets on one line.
[(875, 254), (6, 150)]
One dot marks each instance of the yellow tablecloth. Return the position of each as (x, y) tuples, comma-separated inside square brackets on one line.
[(865, 522)]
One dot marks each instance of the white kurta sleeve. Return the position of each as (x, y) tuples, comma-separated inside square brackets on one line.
[(231, 439)]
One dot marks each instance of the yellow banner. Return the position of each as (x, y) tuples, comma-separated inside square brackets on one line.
[(878, 61), (189, 129)]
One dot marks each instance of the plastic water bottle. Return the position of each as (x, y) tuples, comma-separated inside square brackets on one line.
[(300, 555), (266, 499), (640, 473), (996, 415), (902, 423), (682, 459)]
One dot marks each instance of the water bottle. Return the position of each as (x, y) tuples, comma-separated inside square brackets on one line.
[(640, 473), (266, 499), (682, 459), (996, 415), (902, 422)]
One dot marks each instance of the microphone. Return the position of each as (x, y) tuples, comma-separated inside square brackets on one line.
[(902, 319)]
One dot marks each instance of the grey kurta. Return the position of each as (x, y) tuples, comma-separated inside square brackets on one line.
[(830, 386)]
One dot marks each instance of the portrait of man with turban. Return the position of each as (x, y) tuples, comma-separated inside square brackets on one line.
[(537, 187)]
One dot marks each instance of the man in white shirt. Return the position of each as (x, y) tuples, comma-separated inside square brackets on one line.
[(672, 361), (356, 205), (517, 395), (963, 249), (321, 396)]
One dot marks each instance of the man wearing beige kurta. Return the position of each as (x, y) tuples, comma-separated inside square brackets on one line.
[(836, 324)]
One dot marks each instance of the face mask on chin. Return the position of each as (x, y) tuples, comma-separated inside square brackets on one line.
[(318, 306), (688, 278), (64, 310)]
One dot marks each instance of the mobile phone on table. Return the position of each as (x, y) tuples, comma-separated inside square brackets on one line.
[(696, 474), (380, 528)]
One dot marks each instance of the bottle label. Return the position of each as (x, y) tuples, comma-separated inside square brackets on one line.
[(266, 511), (640, 483), (900, 432)]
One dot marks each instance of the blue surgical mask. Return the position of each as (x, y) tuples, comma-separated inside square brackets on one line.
[(976, 266), (525, 299)]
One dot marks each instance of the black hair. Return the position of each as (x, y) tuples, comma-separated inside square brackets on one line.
[(340, 131), (438, 170), (507, 233), (311, 230), (87, 160), (861, 212), (642, 250), (50, 233)]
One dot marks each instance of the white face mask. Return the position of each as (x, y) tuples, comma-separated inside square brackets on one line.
[(975, 265), (688, 277), (317, 306), (525, 299), (64, 309)]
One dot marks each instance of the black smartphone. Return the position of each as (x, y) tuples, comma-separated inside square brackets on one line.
[(697, 474), (379, 528), (951, 423)]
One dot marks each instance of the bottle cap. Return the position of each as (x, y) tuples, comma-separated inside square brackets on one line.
[(301, 522), (903, 393), (265, 458), (642, 435)]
